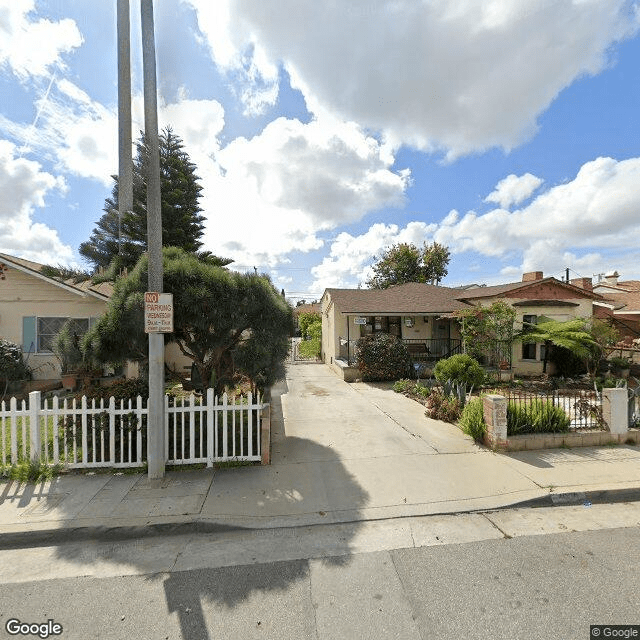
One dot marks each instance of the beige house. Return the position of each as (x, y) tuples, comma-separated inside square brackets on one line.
[(423, 316), (33, 308), (417, 313)]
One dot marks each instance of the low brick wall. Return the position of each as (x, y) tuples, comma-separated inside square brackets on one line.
[(529, 441)]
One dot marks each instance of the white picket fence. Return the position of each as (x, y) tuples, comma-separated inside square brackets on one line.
[(75, 434)]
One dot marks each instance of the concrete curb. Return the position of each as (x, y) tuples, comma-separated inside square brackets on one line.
[(51, 537)]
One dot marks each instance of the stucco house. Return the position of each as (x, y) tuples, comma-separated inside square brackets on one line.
[(33, 308), (423, 316)]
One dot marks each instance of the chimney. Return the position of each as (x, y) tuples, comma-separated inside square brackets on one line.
[(612, 278), (531, 276), (583, 283)]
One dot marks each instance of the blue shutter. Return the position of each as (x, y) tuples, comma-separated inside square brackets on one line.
[(29, 334)]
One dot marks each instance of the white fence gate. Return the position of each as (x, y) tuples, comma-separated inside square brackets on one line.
[(75, 434)]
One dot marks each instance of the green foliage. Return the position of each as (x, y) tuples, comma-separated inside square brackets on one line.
[(620, 362), (536, 416), (62, 272), (120, 390), (68, 350), (404, 263), (30, 471), (440, 406), (403, 385), (604, 337), (488, 331), (228, 323), (459, 368), (182, 224), (411, 388), (12, 364), (472, 419), (567, 363), (572, 335), (305, 320), (310, 348), (381, 356)]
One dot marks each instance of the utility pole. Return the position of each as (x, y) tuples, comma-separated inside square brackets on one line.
[(125, 167), (155, 423)]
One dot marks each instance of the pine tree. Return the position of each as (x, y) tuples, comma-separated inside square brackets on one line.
[(182, 222)]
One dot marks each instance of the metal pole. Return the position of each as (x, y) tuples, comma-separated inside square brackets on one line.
[(125, 167), (155, 424)]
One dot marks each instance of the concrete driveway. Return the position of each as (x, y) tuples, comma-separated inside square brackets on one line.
[(362, 451)]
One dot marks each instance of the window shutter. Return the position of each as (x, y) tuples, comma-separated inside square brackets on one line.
[(29, 334)]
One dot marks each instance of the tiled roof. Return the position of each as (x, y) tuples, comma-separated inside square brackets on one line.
[(500, 289), (411, 298), (624, 302)]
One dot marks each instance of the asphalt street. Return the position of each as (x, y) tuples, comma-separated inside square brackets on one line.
[(548, 585)]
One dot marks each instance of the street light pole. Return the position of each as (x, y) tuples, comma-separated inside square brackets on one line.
[(155, 424), (125, 166)]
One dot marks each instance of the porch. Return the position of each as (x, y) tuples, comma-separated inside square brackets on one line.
[(422, 350)]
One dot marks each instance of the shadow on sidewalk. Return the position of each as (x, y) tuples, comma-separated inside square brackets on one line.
[(192, 592)]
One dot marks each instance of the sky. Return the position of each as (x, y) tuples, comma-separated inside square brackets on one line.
[(325, 132)]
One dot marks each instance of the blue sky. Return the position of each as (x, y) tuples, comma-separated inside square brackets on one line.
[(325, 132)]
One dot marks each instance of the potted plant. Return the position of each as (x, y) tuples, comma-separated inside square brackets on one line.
[(73, 364), (621, 366)]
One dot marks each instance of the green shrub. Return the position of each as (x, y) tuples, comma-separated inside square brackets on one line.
[(536, 416), (382, 356), (309, 348), (472, 420), (12, 364), (314, 330), (442, 407), (305, 320), (403, 385), (460, 368), (121, 390)]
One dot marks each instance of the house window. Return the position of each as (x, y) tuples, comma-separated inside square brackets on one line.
[(528, 349), (48, 328)]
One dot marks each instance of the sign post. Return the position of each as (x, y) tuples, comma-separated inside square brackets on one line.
[(158, 312), (155, 423)]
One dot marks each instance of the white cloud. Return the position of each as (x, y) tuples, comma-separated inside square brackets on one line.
[(31, 47), (596, 212), (270, 195), (463, 75), (265, 197), (24, 186), (514, 189), (73, 131), (350, 257)]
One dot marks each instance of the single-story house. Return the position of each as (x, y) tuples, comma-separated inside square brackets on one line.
[(423, 316), (33, 308)]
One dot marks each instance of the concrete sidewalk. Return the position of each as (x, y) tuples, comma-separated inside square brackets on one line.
[(340, 453)]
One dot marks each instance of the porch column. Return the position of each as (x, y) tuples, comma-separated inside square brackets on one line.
[(348, 345)]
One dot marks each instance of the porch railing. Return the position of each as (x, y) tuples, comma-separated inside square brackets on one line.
[(420, 349), (432, 349)]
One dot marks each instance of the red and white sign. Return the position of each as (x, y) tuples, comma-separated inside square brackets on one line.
[(158, 312)]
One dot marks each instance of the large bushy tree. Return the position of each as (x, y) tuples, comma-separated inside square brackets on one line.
[(227, 323), (182, 222), (404, 263)]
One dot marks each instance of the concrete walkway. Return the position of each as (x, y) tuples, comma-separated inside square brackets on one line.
[(341, 453)]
